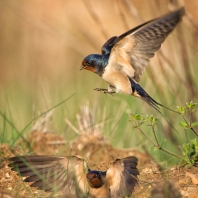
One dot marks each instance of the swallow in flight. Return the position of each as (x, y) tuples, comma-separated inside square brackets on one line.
[(123, 58), (72, 176)]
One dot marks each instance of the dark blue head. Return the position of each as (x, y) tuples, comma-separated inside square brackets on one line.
[(92, 62)]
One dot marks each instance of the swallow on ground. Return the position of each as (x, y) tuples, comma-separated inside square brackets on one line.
[(118, 181), (124, 58), (72, 176)]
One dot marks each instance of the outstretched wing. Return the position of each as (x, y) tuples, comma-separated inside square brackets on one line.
[(135, 47), (122, 176), (52, 173)]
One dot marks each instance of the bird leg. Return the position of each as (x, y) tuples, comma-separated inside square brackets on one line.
[(107, 91), (100, 89)]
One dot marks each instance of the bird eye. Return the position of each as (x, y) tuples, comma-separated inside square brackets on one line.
[(88, 63), (95, 176)]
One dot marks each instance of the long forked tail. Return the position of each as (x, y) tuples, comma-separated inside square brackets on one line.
[(139, 92), (154, 104)]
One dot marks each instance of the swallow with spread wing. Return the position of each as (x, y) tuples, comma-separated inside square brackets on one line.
[(125, 57), (72, 176)]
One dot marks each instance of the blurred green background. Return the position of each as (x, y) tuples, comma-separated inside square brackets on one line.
[(42, 45)]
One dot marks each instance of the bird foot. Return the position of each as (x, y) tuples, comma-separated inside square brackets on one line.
[(100, 89), (105, 91)]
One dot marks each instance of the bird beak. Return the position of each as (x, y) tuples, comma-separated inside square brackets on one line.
[(82, 67)]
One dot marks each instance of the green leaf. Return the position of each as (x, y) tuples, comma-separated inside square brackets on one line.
[(141, 123), (153, 148), (189, 151), (195, 143), (184, 125), (152, 119), (137, 117), (194, 124), (156, 148), (180, 109), (191, 106), (163, 141)]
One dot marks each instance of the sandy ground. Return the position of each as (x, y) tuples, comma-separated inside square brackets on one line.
[(173, 182)]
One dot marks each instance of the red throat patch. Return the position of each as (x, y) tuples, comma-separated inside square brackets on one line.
[(90, 69)]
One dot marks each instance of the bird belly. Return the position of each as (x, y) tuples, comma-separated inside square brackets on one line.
[(119, 81)]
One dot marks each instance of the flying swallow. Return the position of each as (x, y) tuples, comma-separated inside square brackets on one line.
[(124, 58), (72, 176)]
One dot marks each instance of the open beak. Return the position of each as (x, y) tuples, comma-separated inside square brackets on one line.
[(82, 67)]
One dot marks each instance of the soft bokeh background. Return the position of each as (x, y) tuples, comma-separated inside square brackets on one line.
[(42, 44)]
